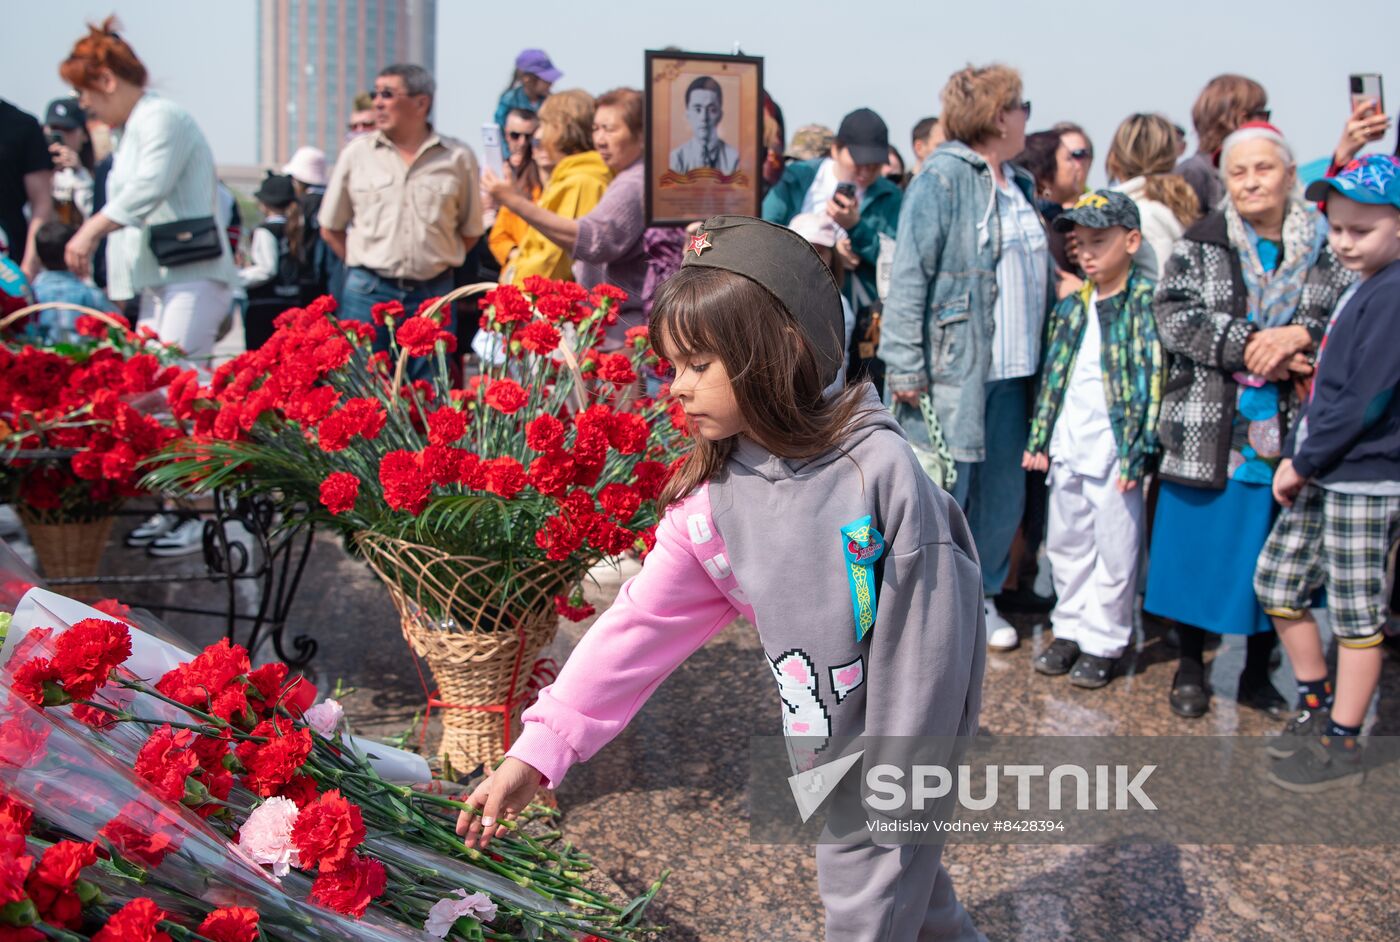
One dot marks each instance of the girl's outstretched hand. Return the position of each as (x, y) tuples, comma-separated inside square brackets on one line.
[(500, 797)]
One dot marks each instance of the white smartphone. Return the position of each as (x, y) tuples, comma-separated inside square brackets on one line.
[(1366, 86), (491, 149)]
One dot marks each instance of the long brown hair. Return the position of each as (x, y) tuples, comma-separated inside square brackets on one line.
[(771, 365), (1145, 146)]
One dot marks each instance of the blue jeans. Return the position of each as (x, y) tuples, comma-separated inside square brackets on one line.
[(993, 492), (364, 289)]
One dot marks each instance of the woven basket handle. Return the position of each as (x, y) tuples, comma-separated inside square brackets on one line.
[(61, 305)]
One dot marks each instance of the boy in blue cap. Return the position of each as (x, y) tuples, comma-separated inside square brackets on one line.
[(1340, 487)]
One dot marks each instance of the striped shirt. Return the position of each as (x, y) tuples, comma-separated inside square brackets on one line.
[(1023, 275), (162, 171)]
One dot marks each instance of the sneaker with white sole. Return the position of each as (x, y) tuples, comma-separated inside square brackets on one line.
[(187, 538), (152, 528), (1001, 634)]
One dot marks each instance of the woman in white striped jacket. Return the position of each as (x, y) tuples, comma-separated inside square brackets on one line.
[(162, 171)]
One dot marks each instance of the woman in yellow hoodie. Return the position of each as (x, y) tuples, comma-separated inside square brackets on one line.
[(576, 182)]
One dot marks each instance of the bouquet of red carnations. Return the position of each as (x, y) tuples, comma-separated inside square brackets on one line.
[(216, 802), (553, 455), (77, 420)]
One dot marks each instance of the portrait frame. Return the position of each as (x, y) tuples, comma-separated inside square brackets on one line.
[(708, 160)]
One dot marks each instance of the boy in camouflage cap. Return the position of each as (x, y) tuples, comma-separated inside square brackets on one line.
[(1093, 429)]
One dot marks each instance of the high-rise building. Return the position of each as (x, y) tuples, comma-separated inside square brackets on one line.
[(315, 56)]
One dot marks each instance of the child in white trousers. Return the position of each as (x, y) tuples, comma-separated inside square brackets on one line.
[(1093, 430)]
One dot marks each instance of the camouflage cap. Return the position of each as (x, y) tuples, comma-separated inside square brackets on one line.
[(1101, 209), (785, 264), (810, 141)]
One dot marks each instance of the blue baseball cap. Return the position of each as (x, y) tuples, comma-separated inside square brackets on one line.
[(1374, 179), (536, 62)]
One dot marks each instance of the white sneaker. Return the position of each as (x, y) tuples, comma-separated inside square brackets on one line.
[(185, 539), (1001, 634), (153, 528)]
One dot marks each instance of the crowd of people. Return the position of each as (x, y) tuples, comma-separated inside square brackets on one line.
[(1125, 377)]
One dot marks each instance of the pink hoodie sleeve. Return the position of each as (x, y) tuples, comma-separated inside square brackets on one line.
[(661, 616)]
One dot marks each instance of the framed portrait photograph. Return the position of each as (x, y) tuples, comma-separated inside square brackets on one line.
[(704, 152)]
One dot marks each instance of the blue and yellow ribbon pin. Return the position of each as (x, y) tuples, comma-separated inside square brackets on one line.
[(863, 546)]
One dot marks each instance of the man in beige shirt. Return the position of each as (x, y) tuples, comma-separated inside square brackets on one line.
[(413, 197)]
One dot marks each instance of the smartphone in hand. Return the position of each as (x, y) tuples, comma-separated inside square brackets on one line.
[(848, 190), (491, 149), (1366, 86)]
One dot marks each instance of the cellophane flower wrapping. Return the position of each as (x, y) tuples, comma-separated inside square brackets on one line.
[(163, 760)]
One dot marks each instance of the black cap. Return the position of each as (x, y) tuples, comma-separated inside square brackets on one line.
[(65, 113), (864, 134), (276, 190), (1101, 209), (785, 264)]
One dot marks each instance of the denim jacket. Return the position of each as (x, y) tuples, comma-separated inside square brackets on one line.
[(938, 319)]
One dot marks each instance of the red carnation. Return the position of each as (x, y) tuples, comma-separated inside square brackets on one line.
[(166, 760), (446, 425), (63, 862), (539, 337), (232, 924), (545, 433), (590, 454), (350, 889), (197, 682), (559, 538), (405, 485), (385, 309), (441, 464), (363, 417), (327, 832), (271, 765), (23, 741), (358, 332), (137, 921), (608, 292), (679, 422), (470, 473), (552, 474), (301, 790), (419, 335), (37, 681), (90, 326), (609, 537), (339, 491), (619, 501), (506, 396), (573, 612), (627, 432), (504, 476), (639, 337), (86, 654), (271, 689), (506, 305), (143, 835)]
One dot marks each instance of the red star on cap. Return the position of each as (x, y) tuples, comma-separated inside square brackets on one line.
[(699, 243)]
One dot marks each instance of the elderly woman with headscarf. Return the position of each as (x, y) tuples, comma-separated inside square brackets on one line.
[(1244, 299)]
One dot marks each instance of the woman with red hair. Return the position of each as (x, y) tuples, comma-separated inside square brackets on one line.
[(162, 173)]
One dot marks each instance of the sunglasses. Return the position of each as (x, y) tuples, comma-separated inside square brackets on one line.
[(1025, 107), (1259, 114), (1080, 153), (518, 135), (388, 94)]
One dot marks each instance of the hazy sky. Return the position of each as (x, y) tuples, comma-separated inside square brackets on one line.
[(1091, 61)]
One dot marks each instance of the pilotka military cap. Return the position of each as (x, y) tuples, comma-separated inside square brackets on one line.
[(786, 265)]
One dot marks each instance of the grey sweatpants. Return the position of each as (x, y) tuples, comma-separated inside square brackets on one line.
[(889, 894)]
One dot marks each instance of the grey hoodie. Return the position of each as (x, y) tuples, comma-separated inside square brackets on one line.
[(918, 671)]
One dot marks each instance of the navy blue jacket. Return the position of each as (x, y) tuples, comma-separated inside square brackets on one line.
[(1354, 413)]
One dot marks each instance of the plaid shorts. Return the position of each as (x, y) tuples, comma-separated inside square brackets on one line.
[(1339, 540)]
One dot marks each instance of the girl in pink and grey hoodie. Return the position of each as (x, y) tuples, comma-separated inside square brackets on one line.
[(803, 509)]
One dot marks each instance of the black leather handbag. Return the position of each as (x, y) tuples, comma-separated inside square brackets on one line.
[(185, 241)]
